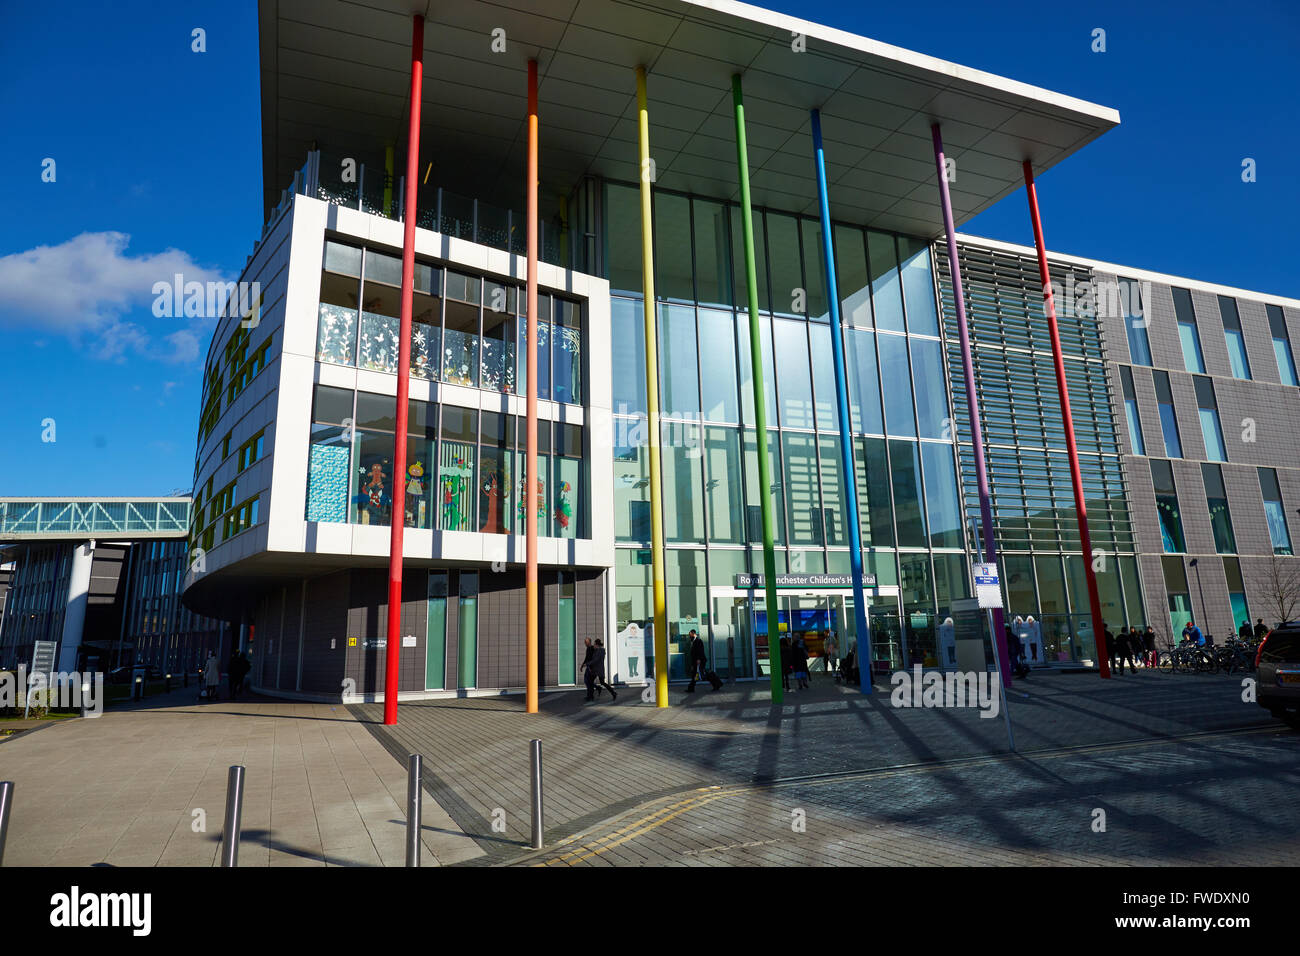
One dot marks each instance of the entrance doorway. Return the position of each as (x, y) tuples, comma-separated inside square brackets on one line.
[(739, 631)]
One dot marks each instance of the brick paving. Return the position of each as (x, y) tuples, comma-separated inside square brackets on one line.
[(1222, 799), (605, 759)]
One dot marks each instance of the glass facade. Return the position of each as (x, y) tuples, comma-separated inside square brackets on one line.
[(463, 471), (906, 470), (465, 330)]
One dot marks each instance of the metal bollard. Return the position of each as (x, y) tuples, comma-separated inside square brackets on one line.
[(139, 689), (414, 765), (6, 804), (234, 812), (167, 687), (535, 765)]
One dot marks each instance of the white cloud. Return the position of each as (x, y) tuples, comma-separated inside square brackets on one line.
[(86, 286)]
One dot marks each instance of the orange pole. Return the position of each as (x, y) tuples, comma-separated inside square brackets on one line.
[(531, 478), (397, 486)]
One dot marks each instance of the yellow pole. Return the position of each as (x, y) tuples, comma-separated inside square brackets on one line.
[(652, 399)]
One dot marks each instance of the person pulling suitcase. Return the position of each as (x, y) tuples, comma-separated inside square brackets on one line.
[(700, 665)]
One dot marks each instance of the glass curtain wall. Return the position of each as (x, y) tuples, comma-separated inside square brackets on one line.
[(902, 438)]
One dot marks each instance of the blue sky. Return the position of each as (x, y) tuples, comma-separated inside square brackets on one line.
[(158, 169)]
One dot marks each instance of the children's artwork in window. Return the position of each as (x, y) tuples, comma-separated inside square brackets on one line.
[(456, 485)]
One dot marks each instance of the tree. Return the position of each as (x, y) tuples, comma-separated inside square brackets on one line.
[(1278, 584)]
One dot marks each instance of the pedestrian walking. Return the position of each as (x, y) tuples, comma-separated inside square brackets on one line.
[(698, 660), (1015, 654), (831, 652), (1124, 650), (596, 671), (1260, 630), (237, 669), (1108, 647), (799, 665), (211, 677), (1244, 632), (1149, 645), (582, 669), (786, 667)]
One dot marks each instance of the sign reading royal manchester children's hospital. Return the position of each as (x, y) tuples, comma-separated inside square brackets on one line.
[(804, 581)]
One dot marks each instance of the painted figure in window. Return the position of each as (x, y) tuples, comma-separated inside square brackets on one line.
[(563, 508), (523, 501), (415, 495), (373, 498), (493, 520)]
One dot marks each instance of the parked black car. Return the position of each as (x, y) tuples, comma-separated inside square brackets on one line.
[(1277, 667)]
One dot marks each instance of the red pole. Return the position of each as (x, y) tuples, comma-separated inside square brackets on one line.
[(532, 479), (397, 488), (1076, 479)]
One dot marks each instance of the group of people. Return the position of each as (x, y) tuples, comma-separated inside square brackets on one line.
[(237, 669), (1130, 647)]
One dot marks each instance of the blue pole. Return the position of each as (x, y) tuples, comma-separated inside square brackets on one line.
[(842, 406)]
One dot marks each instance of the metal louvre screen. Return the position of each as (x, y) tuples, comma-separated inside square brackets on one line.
[(1024, 432)]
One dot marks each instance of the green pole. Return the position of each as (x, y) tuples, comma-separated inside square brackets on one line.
[(760, 400)]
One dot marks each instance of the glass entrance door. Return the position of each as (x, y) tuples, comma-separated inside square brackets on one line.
[(733, 638)]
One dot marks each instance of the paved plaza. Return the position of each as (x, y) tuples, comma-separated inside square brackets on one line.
[(1176, 761), (122, 790), (1143, 769)]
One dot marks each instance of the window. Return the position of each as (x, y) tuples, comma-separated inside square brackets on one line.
[(1171, 522), (792, 372), (864, 382), (225, 447), (909, 512), (678, 362), (942, 509), (568, 665), (1187, 331), (918, 287), (1135, 324), (1168, 419), (1216, 498), (568, 491), (460, 338), (1136, 443), (900, 419), (627, 334), (456, 465), (1236, 341), (1274, 512), (1236, 592), (931, 390), (886, 291), (1281, 345), (435, 649), (1209, 413), (467, 630), (251, 450)]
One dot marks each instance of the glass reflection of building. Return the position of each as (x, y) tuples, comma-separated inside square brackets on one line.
[(912, 535)]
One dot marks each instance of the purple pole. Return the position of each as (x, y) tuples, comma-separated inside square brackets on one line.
[(968, 369)]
